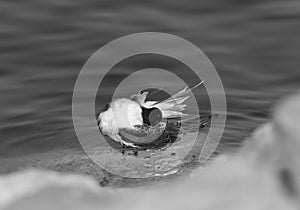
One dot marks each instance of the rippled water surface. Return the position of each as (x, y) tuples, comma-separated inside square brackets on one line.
[(254, 46)]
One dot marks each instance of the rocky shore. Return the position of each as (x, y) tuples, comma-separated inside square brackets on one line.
[(265, 174)]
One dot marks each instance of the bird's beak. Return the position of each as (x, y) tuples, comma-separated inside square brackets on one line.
[(139, 98)]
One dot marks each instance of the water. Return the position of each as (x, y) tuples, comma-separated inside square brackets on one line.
[(254, 46)]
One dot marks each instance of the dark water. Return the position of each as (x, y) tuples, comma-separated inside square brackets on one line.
[(254, 46)]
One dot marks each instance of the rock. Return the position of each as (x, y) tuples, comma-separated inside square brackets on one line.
[(275, 146), (227, 184), (287, 143), (37, 189)]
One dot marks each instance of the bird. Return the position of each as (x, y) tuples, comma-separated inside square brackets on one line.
[(134, 121)]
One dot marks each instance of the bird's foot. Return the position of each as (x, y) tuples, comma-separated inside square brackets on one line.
[(123, 149), (127, 144), (136, 151)]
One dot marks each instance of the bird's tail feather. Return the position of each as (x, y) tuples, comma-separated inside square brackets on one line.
[(174, 105), (184, 91)]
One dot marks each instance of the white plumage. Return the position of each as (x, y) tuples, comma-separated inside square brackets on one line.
[(122, 113)]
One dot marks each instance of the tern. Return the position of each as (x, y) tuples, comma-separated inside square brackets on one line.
[(134, 113)]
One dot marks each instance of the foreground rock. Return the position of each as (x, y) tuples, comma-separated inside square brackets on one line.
[(275, 147), (226, 185), (264, 175)]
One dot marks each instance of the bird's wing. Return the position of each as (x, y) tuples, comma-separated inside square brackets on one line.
[(171, 107), (174, 105), (184, 91)]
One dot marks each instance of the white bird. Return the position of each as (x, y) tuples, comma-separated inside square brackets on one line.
[(134, 112)]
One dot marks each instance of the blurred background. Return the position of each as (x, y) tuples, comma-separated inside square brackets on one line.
[(254, 45)]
